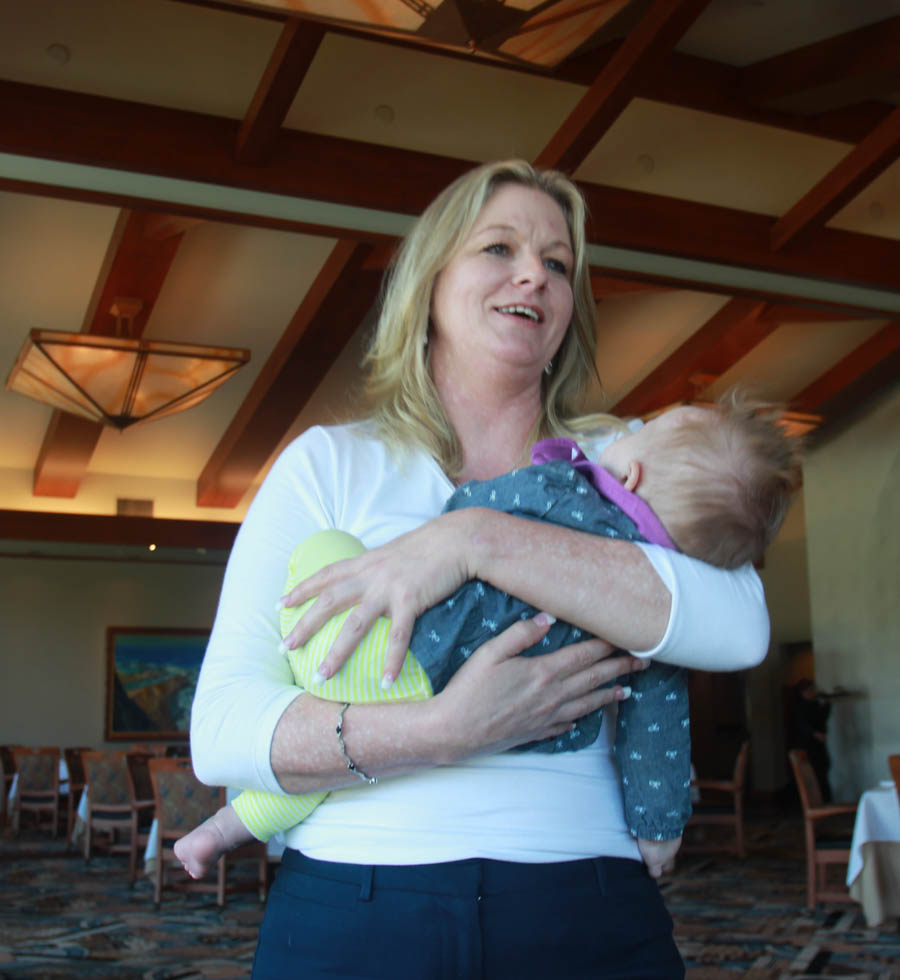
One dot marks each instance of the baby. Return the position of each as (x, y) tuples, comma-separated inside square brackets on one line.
[(713, 482)]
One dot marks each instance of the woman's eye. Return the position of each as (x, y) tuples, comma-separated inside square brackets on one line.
[(497, 248), (556, 265)]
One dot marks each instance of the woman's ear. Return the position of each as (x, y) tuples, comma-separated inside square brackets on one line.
[(632, 476)]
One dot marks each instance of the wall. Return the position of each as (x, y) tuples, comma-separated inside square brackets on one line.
[(785, 578), (852, 495), (54, 619)]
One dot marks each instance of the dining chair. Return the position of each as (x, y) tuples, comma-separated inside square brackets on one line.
[(894, 766), (826, 832), (8, 772), (108, 796), (182, 802), (724, 807), (75, 769), (38, 785), (143, 805)]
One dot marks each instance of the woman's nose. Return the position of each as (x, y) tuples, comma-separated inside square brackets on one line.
[(530, 269)]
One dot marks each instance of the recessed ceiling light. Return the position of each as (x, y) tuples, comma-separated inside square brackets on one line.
[(58, 53), (646, 163), (384, 114)]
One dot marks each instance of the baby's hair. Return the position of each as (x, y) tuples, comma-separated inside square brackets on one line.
[(729, 478)]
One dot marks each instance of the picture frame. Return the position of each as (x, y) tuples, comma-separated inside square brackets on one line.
[(151, 675)]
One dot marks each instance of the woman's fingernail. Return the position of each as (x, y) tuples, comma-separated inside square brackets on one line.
[(623, 693), (283, 647), (545, 619), (387, 681), (280, 604), (319, 677)]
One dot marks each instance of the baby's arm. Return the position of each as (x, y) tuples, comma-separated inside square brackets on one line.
[(653, 751)]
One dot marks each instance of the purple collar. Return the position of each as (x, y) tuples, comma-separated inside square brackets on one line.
[(648, 524)]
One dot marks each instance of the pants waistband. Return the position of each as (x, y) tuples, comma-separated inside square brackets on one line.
[(473, 877)]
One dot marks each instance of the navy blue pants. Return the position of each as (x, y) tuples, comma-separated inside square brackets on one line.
[(465, 920)]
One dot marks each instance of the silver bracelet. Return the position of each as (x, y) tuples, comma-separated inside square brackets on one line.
[(351, 765)]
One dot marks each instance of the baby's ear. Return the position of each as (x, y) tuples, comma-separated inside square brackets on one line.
[(633, 476)]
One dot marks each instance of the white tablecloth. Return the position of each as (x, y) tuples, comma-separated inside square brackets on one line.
[(877, 819), (873, 872)]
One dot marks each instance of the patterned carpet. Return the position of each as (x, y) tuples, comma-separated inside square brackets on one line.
[(63, 920)]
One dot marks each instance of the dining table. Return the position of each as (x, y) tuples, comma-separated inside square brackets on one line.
[(873, 872)]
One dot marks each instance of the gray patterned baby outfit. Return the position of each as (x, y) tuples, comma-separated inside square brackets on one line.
[(652, 742)]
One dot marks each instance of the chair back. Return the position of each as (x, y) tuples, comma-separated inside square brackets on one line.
[(894, 765), (139, 780), (38, 770), (182, 801), (740, 766), (75, 766), (805, 777), (7, 762), (106, 776)]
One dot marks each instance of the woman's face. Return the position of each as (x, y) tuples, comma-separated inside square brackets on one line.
[(506, 295)]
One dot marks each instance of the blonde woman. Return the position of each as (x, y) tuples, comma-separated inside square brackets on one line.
[(462, 860)]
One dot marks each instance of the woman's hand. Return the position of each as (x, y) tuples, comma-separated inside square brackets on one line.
[(498, 699), (399, 580)]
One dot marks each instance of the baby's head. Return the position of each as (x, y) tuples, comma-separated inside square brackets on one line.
[(718, 478)]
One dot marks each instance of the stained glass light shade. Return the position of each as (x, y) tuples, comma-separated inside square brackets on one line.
[(119, 380)]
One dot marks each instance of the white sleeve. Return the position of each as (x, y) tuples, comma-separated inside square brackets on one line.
[(245, 682), (718, 620)]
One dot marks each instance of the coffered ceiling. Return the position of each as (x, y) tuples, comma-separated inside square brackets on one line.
[(244, 170)]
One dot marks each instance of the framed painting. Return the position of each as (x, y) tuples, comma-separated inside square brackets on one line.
[(151, 675)]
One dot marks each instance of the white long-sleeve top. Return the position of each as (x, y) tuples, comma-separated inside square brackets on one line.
[(511, 806)]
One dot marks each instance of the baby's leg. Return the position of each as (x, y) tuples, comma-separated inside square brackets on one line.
[(199, 850), (359, 680)]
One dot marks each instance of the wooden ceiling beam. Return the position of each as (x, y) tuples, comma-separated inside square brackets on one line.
[(293, 54), (606, 285), (725, 338), (670, 226), (78, 128), (136, 265), (141, 138), (644, 48), (27, 525), (857, 368), (841, 184), (829, 74), (333, 308)]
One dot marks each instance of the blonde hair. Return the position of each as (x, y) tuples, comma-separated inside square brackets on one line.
[(404, 401), (728, 476)]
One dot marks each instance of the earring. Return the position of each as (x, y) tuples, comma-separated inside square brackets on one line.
[(548, 367)]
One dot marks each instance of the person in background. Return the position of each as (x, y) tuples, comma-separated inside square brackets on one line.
[(809, 722), (511, 865)]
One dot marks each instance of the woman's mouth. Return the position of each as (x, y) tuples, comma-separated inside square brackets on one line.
[(526, 312)]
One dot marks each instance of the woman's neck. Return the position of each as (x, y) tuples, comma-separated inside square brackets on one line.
[(493, 423)]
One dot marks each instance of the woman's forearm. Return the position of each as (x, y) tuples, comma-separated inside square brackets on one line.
[(604, 585), (640, 597), (382, 740), (495, 701)]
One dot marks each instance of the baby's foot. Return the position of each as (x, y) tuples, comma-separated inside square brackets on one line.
[(199, 850)]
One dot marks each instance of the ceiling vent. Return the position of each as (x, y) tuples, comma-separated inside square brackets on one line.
[(126, 507)]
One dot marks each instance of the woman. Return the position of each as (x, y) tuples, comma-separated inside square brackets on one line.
[(468, 862)]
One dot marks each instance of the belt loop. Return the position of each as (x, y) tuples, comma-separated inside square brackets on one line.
[(366, 882), (600, 872)]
